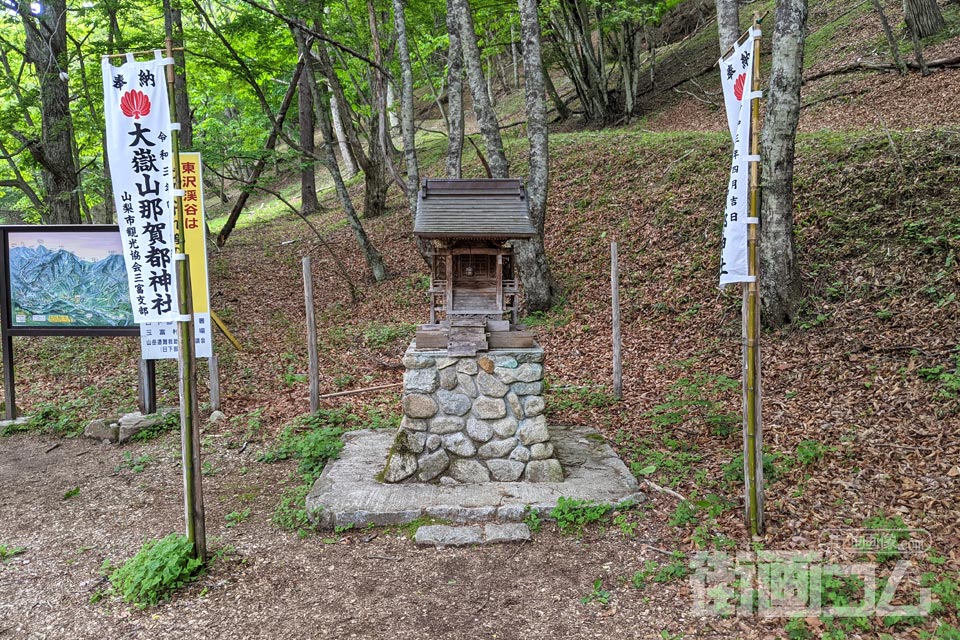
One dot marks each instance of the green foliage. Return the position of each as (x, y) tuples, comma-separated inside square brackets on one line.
[(674, 570), (566, 398), (378, 334), (531, 519), (948, 378), (135, 464), (573, 515), (158, 569), (772, 468), (170, 421), (697, 399), (310, 439), (291, 511), (640, 578), (71, 493), (684, 514), (8, 552), (598, 594), (886, 535), (797, 629), (810, 451), (236, 517), (557, 316), (61, 419)]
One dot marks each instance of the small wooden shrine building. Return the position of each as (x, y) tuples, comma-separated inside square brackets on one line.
[(473, 282)]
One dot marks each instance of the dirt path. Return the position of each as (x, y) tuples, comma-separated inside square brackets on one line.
[(271, 584)]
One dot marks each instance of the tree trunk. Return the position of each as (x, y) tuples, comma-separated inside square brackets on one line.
[(923, 17), (454, 93), (323, 105), (340, 99), (376, 175), (728, 23), (346, 153), (538, 285), (779, 276), (563, 111), (486, 117), (231, 222), (407, 124), (173, 27), (891, 41), (308, 177), (46, 50), (391, 108)]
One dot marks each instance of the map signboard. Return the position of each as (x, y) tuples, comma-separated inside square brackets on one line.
[(64, 280)]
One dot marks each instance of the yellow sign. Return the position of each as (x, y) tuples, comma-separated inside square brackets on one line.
[(194, 230), (159, 340)]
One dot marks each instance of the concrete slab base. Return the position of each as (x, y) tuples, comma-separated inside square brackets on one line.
[(347, 492)]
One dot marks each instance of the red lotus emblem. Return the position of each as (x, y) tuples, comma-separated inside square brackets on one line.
[(135, 104), (737, 86)]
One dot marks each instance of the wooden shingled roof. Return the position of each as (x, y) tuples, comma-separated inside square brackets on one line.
[(496, 209)]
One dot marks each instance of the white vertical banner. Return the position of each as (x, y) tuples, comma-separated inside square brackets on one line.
[(737, 79), (140, 153)]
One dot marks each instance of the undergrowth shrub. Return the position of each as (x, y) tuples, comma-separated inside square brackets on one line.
[(158, 569), (313, 439)]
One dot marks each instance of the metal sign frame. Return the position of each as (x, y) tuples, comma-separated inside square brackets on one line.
[(6, 313)]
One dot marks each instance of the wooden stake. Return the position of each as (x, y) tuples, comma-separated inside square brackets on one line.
[(214, 365), (148, 387), (615, 298), (311, 336)]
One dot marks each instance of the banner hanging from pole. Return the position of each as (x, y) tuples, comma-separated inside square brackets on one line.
[(736, 77), (159, 341), (139, 148)]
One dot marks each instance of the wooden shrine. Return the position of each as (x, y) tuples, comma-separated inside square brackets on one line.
[(473, 279)]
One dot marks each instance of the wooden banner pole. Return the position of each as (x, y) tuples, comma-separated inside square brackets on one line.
[(753, 432), (189, 409)]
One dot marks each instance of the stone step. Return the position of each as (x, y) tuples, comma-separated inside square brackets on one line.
[(439, 535)]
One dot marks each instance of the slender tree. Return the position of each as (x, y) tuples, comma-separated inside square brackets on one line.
[(321, 100), (407, 124), (728, 23), (308, 178), (538, 285), (779, 276), (173, 27), (486, 117), (454, 93), (46, 50)]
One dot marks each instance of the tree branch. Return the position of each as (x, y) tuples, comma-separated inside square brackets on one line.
[(342, 47)]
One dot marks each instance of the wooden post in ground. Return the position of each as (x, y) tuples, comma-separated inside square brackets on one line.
[(311, 336), (148, 386), (615, 296), (214, 365)]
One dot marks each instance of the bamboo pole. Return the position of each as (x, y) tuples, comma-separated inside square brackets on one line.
[(189, 426), (615, 304), (753, 440)]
